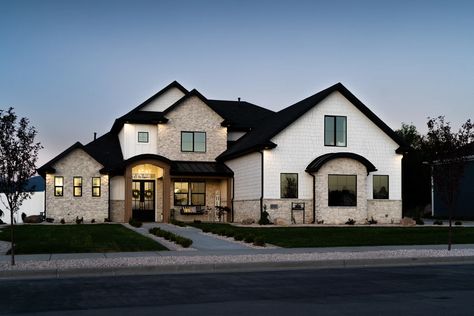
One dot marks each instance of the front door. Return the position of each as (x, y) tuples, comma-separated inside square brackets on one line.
[(143, 200)]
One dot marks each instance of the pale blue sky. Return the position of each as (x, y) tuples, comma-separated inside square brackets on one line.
[(72, 67)]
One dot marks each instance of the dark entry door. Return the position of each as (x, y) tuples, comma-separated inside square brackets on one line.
[(143, 200)]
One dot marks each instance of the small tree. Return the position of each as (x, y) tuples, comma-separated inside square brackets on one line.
[(447, 155), (18, 156)]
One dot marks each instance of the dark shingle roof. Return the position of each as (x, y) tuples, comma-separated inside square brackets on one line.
[(261, 136), (105, 150), (139, 117), (239, 115), (200, 168)]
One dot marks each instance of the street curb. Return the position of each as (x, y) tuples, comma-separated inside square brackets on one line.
[(231, 267)]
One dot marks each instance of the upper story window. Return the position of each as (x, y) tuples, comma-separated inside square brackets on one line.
[(58, 186), (380, 185), (335, 131), (77, 186), (342, 190), (143, 137), (193, 142), (289, 185)]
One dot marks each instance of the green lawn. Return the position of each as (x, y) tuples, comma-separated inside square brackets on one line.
[(294, 237), (33, 239)]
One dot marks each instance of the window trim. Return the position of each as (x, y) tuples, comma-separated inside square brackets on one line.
[(388, 186), (58, 186), (147, 137), (335, 131), (190, 193), (193, 142), (346, 175), (76, 186), (96, 186), (297, 184)]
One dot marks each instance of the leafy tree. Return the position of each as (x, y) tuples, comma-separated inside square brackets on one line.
[(416, 180), (447, 154), (18, 156)]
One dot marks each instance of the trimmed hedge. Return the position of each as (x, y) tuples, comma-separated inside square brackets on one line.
[(183, 241)]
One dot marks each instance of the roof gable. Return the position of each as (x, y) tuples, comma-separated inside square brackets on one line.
[(261, 137), (154, 97), (189, 95)]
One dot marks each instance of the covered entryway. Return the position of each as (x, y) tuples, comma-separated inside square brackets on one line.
[(147, 188)]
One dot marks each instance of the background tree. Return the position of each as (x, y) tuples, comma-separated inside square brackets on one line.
[(18, 156), (416, 179), (447, 154)]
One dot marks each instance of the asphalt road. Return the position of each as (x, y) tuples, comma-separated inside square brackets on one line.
[(431, 290)]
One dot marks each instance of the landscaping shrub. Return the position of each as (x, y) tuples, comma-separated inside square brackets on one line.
[(184, 242), (264, 220), (206, 229), (438, 222), (107, 220), (79, 220), (48, 220), (62, 221), (419, 221), (259, 241), (92, 221), (350, 221), (197, 221), (371, 221), (177, 223), (135, 223), (249, 239), (458, 223), (239, 237)]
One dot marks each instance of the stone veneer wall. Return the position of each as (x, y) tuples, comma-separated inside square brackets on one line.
[(77, 164), (117, 211), (385, 211), (340, 214), (244, 209), (193, 116), (283, 212)]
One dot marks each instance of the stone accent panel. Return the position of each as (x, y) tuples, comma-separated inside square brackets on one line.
[(117, 210), (244, 209), (340, 214), (283, 210), (77, 164), (193, 116), (385, 211)]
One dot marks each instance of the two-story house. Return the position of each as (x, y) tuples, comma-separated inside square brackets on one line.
[(326, 159)]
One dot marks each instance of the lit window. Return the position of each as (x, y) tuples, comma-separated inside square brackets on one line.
[(96, 186), (77, 186), (58, 186), (143, 137), (380, 187), (289, 185), (335, 131), (342, 190), (193, 142), (190, 193)]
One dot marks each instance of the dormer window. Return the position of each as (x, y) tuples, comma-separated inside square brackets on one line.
[(193, 142), (143, 137), (335, 131)]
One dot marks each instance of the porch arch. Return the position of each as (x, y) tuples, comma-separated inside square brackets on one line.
[(155, 160)]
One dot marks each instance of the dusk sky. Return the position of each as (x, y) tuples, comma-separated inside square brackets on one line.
[(72, 67)]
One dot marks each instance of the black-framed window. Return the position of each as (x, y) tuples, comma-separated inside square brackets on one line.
[(77, 186), (96, 186), (58, 186), (335, 131), (143, 137), (380, 186), (342, 190), (189, 193), (288, 185), (193, 142)]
